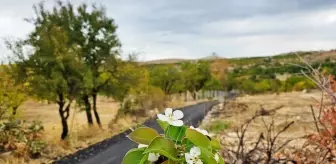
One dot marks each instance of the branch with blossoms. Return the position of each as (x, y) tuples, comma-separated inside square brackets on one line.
[(178, 145)]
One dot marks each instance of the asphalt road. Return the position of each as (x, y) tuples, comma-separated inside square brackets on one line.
[(112, 151)]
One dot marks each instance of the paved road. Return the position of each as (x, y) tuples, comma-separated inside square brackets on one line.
[(112, 151)]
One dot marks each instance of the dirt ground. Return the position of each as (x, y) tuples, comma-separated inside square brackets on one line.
[(293, 106), (282, 108)]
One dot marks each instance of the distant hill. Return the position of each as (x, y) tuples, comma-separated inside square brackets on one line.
[(310, 56), (177, 60), (165, 61)]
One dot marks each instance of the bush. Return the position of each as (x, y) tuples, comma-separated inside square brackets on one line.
[(25, 139), (140, 102)]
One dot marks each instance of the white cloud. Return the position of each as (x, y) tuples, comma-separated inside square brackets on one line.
[(192, 29)]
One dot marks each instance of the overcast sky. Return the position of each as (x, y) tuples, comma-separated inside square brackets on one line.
[(160, 29)]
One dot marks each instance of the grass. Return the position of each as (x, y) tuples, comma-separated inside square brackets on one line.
[(80, 135), (218, 126)]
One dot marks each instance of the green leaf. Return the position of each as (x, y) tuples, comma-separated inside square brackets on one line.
[(133, 156), (198, 138), (175, 133), (169, 162), (221, 160), (144, 159), (207, 156), (143, 135), (215, 144), (163, 147), (164, 125), (187, 143)]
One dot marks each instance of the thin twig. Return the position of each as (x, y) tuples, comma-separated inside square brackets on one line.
[(315, 121)]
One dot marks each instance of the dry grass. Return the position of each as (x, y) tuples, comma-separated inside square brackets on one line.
[(48, 114), (81, 135), (295, 107)]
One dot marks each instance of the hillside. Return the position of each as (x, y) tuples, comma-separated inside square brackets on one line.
[(311, 56), (177, 60), (279, 73)]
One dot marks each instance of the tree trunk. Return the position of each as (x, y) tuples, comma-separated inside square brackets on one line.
[(65, 128), (14, 110), (186, 96), (94, 96), (88, 109), (193, 94)]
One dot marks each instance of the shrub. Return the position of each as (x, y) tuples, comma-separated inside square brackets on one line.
[(21, 137), (178, 144), (139, 102)]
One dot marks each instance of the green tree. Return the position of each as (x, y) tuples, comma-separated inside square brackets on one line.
[(195, 75), (94, 35), (130, 78), (248, 86), (51, 69), (166, 77), (213, 84), (13, 93)]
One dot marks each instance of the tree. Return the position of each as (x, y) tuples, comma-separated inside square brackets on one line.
[(98, 46), (52, 69), (218, 68), (130, 78), (213, 84), (13, 93), (195, 76), (248, 86), (166, 77)]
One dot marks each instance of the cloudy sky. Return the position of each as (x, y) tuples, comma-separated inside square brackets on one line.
[(160, 29)]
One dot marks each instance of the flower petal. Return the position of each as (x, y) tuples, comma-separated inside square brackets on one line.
[(141, 145), (177, 114), (191, 127), (169, 111), (190, 161), (162, 117), (152, 157), (187, 156), (176, 123), (204, 132), (195, 151), (170, 122), (199, 161), (216, 157)]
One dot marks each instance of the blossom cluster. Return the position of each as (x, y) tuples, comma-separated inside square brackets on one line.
[(196, 144)]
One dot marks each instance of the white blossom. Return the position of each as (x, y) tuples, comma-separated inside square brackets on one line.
[(193, 157), (173, 118), (204, 132), (217, 158), (152, 157), (141, 145)]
